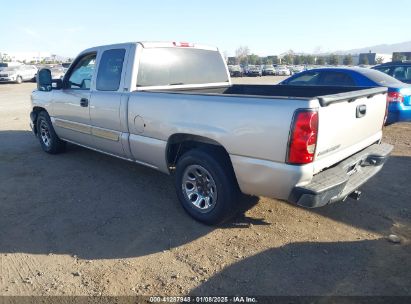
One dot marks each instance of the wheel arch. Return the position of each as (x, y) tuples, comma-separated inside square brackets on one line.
[(33, 116), (180, 143)]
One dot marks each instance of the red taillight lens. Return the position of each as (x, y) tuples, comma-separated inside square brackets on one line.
[(395, 97), (303, 140)]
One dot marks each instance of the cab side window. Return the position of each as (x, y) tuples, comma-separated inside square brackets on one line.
[(82, 73), (109, 70)]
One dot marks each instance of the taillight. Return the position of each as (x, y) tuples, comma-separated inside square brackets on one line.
[(395, 97), (303, 140)]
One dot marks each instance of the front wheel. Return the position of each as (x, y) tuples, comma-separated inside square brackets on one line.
[(206, 186), (48, 138), (19, 80)]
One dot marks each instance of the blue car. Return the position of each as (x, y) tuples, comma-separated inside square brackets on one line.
[(398, 97)]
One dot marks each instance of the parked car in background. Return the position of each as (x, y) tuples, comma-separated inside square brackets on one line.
[(254, 71), (398, 97), (400, 70), (235, 71), (297, 69), (9, 64), (58, 72), (268, 70), (282, 70), (66, 65), (18, 74)]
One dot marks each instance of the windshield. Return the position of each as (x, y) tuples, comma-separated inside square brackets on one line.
[(380, 78), (180, 66), (9, 69)]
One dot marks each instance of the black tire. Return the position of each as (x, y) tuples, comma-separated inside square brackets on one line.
[(227, 191), (48, 138), (19, 80)]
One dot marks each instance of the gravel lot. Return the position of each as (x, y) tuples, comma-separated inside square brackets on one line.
[(82, 223)]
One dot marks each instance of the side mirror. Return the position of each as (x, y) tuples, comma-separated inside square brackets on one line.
[(44, 80)]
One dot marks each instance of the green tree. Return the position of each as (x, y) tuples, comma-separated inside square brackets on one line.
[(333, 59), (268, 61), (297, 60), (287, 59), (320, 61), (242, 53), (348, 60), (253, 58), (244, 60), (274, 59), (308, 59), (379, 60)]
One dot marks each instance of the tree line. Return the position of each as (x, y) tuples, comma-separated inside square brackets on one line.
[(243, 57)]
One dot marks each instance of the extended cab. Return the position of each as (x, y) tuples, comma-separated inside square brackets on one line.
[(172, 107)]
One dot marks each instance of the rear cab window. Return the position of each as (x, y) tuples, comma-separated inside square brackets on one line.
[(168, 66)]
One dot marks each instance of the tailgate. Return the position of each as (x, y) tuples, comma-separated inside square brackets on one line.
[(348, 123)]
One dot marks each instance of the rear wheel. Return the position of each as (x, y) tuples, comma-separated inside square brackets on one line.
[(48, 138), (206, 186)]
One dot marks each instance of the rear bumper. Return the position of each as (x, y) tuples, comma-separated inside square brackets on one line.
[(398, 112), (338, 182)]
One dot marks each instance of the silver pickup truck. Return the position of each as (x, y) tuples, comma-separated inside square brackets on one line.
[(172, 107)]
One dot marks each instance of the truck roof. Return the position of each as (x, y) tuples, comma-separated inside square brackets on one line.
[(155, 44)]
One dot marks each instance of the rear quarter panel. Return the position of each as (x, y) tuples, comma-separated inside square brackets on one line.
[(253, 127)]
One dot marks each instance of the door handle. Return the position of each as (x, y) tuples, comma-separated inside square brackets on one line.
[(361, 111), (84, 102)]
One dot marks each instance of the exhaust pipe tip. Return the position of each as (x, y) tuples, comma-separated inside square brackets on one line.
[(355, 195)]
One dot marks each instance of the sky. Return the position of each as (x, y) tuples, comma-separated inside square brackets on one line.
[(266, 27)]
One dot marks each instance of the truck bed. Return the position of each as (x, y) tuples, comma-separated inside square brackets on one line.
[(325, 94)]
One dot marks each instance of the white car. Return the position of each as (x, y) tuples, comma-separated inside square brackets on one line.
[(282, 71), (9, 64), (297, 69), (18, 74), (58, 72)]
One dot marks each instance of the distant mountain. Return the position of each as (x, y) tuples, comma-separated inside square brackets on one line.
[(382, 49)]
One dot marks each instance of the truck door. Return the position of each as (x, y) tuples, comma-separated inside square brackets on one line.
[(109, 101), (70, 109)]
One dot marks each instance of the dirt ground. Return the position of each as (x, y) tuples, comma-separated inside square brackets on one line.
[(83, 223)]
